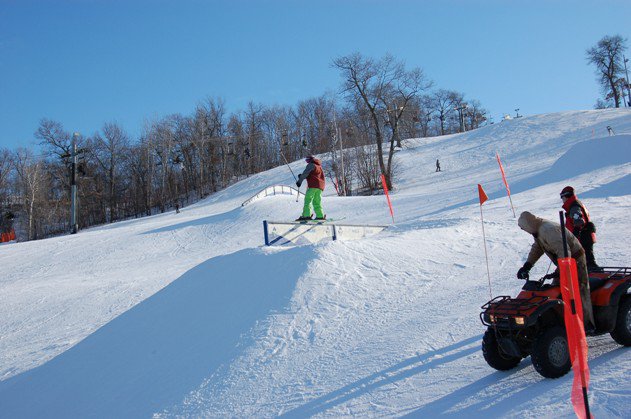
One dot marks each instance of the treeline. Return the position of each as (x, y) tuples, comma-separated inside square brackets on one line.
[(612, 73), (179, 159)]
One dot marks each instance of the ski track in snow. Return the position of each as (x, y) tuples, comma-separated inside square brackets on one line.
[(381, 327)]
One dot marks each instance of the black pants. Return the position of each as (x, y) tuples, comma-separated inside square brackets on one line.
[(585, 238)]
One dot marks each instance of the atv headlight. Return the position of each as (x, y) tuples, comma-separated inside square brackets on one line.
[(519, 321), (492, 318)]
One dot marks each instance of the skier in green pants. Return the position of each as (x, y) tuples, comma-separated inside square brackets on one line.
[(315, 181)]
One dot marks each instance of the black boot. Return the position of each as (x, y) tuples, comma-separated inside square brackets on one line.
[(590, 330)]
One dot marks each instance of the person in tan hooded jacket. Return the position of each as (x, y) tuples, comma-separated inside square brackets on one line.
[(548, 240)]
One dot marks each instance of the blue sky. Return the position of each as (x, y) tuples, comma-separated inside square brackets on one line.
[(84, 63)]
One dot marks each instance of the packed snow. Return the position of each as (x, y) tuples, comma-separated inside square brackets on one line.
[(190, 315)]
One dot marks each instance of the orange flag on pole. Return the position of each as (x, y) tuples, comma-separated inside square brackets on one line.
[(482, 194), (505, 182), (503, 174), (385, 189), (576, 340), (573, 316)]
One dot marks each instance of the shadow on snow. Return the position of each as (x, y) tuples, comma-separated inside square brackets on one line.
[(498, 394), (400, 371), (491, 396)]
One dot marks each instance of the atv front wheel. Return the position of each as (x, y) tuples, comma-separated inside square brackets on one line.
[(622, 332), (494, 355), (550, 355)]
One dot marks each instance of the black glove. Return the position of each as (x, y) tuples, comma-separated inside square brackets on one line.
[(522, 273), (298, 183), (553, 275)]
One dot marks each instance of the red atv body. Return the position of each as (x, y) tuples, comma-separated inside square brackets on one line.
[(532, 324)]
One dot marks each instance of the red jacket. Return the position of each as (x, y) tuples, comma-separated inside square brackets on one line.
[(316, 176), (577, 217)]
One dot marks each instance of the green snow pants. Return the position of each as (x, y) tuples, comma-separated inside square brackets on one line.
[(313, 195)]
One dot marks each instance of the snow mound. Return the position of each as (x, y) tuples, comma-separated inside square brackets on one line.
[(583, 158), (164, 346)]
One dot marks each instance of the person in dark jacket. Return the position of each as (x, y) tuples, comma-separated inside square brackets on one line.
[(315, 180), (578, 222), (548, 240)]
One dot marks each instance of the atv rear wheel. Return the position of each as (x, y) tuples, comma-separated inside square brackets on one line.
[(550, 355), (622, 332), (494, 355)]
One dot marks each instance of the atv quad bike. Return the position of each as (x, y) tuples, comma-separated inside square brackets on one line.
[(533, 323)]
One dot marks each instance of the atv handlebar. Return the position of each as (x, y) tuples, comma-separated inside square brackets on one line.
[(543, 279)]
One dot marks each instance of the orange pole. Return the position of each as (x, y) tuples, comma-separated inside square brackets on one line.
[(385, 189)]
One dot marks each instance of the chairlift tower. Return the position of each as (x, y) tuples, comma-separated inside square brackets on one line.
[(461, 108), (74, 227)]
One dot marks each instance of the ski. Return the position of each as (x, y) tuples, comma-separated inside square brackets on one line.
[(314, 221)]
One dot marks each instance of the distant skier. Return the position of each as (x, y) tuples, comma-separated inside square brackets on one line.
[(578, 222), (315, 181), (548, 240), (437, 165), (610, 131)]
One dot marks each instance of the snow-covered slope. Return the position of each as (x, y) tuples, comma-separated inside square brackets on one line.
[(187, 314)]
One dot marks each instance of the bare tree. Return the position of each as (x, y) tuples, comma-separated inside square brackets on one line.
[(163, 141), (254, 139), (385, 88), (110, 149), (142, 168), (5, 169), (208, 155), (443, 103), (54, 138), (57, 143), (425, 114), (401, 98), (475, 114), (30, 177), (607, 57), (278, 130), (317, 119)]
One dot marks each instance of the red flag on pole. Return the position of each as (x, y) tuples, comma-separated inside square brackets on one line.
[(576, 340), (482, 194), (505, 182), (385, 189), (503, 174)]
